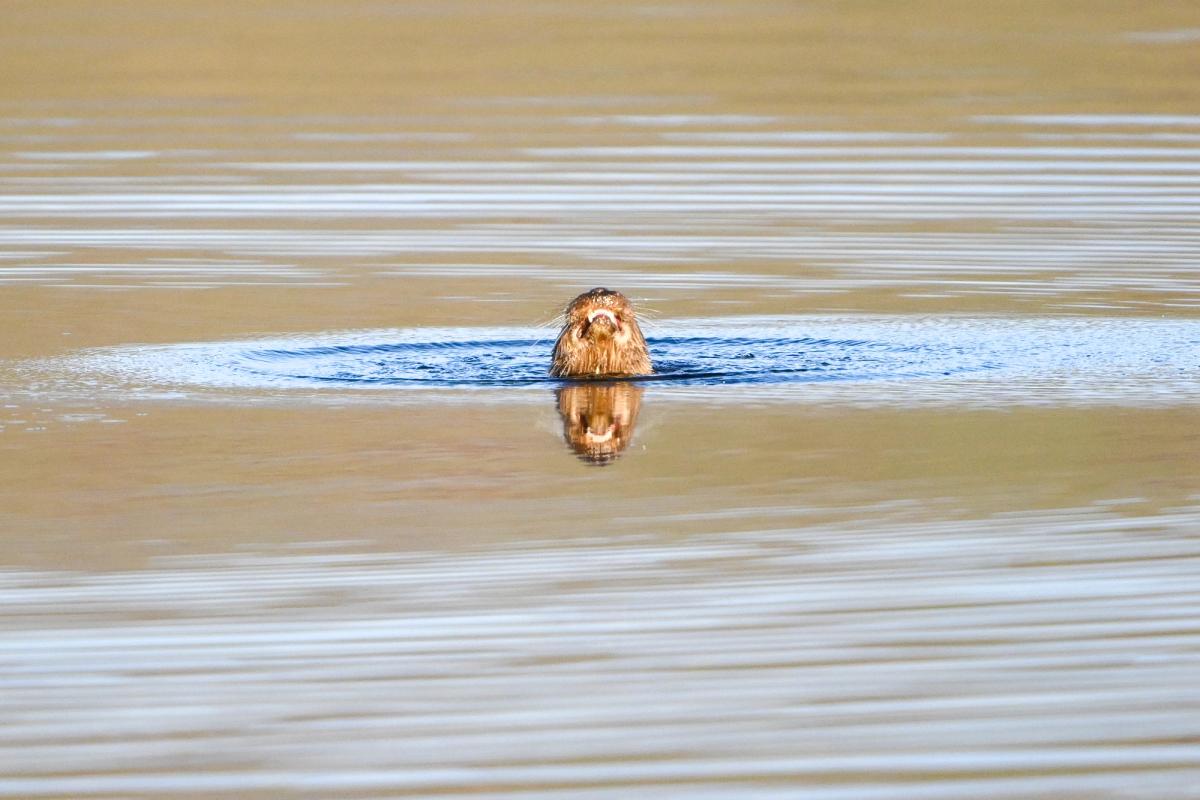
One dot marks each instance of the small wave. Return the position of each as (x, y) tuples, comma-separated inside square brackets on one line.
[(498, 360), (1005, 359)]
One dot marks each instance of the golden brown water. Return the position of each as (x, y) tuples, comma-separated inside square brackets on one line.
[(901, 585)]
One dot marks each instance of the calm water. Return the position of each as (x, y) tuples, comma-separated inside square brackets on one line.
[(290, 508)]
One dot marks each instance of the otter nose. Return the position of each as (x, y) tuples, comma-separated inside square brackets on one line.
[(603, 314)]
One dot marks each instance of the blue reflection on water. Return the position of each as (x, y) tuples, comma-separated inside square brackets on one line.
[(687, 360), (880, 360)]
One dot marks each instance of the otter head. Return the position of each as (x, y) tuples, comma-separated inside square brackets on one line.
[(600, 339)]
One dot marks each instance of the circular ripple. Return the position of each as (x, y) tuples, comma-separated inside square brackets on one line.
[(884, 359), (506, 361)]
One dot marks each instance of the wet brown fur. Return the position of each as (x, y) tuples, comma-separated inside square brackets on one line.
[(596, 348)]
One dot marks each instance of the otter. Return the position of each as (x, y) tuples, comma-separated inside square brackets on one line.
[(600, 339)]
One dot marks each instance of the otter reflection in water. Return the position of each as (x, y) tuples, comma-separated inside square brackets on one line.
[(598, 418), (600, 338)]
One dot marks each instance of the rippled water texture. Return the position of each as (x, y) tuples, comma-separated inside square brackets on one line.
[(289, 507), (1001, 360)]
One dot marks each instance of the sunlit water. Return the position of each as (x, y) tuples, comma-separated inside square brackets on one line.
[(291, 508)]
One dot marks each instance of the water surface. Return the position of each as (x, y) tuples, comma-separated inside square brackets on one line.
[(291, 508)]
